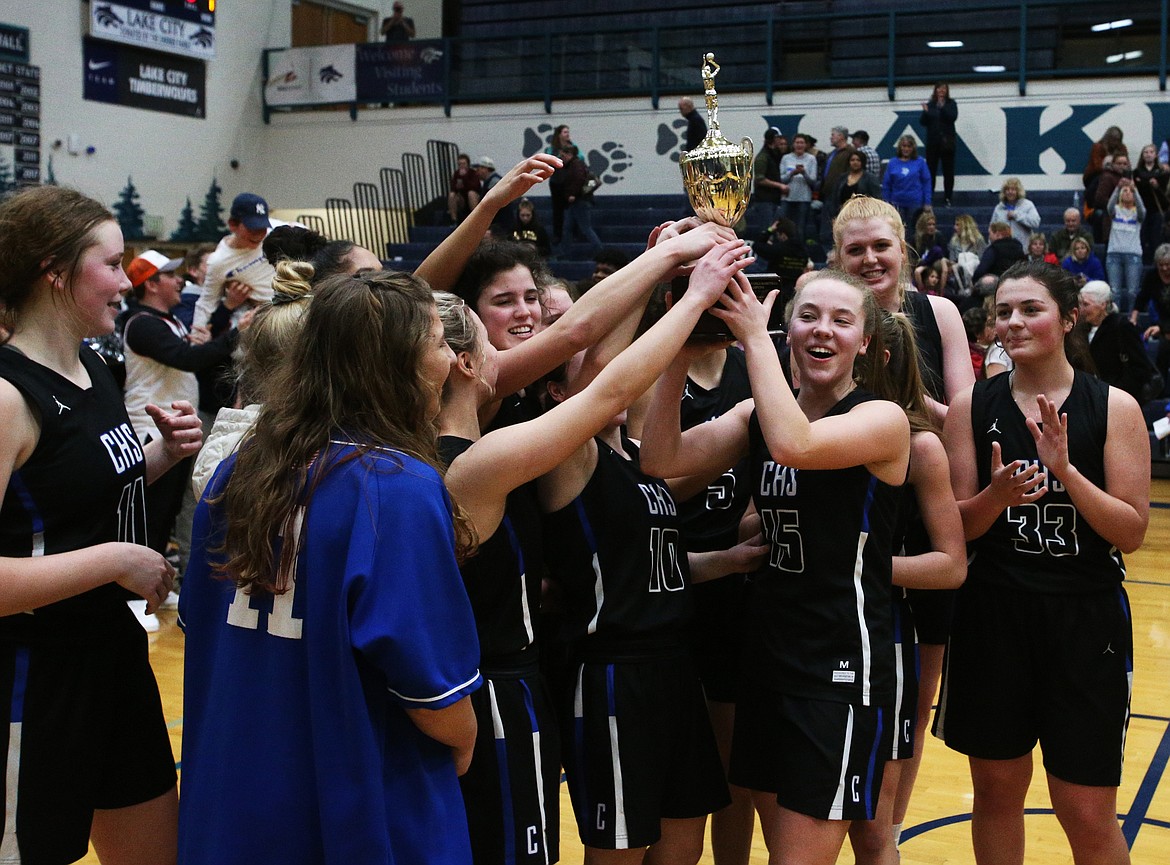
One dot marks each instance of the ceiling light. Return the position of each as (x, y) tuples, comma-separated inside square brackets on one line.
[(1128, 55), (954, 43), (1112, 25), (990, 68)]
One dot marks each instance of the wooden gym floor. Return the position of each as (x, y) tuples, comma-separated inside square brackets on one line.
[(937, 829)]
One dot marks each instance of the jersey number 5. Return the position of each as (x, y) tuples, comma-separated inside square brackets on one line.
[(782, 529)]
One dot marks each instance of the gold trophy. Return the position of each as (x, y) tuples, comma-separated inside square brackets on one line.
[(717, 174)]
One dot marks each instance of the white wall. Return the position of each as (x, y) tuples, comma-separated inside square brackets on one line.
[(338, 151)]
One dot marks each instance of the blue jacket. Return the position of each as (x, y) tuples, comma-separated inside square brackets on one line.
[(907, 182)]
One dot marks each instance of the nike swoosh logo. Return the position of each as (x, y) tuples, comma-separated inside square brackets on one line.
[(94, 65)]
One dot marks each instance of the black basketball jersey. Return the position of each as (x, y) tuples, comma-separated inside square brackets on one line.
[(928, 338), (820, 607), (711, 518), (1045, 545), (84, 484), (618, 552), (503, 578)]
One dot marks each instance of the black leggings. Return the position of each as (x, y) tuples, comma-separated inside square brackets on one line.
[(934, 153)]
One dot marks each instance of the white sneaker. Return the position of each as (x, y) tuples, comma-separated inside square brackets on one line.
[(149, 621), (172, 601)]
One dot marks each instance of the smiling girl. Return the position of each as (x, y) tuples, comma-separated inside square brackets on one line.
[(1042, 463), (813, 716), (85, 730)]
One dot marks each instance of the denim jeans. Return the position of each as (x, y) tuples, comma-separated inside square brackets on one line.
[(797, 211), (579, 214), (1124, 270)]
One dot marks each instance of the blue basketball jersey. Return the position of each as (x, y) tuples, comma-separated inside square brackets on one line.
[(296, 744)]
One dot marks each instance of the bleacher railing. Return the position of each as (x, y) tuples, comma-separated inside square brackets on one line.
[(860, 46)]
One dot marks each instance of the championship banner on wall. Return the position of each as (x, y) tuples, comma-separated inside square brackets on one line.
[(144, 79), (20, 125), (397, 72), (147, 28), (310, 76)]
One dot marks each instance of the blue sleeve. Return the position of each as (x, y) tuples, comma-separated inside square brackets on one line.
[(888, 182), (927, 181), (409, 613)]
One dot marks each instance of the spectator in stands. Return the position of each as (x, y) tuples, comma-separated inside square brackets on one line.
[(1082, 263), (768, 191), (485, 169), (938, 119), (906, 184), (1152, 179), (488, 176), (578, 206), (873, 162), (798, 170), (696, 125), (1154, 299), (784, 254), (1061, 240), (1103, 151), (527, 228), (238, 257), (607, 261), (928, 236), (464, 191), (397, 28), (980, 327), (556, 185), (1108, 180), (1114, 342), (1003, 251), (855, 181), (836, 167), (1016, 210), (1123, 257), (931, 278), (194, 270), (966, 238), (1038, 249)]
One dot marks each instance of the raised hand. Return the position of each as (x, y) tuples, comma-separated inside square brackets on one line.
[(1051, 436), (741, 309), (716, 270), (521, 177), (1015, 483)]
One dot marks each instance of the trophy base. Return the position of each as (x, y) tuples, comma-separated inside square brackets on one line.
[(712, 329)]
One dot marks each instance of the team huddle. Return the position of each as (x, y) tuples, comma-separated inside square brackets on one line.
[(459, 534)]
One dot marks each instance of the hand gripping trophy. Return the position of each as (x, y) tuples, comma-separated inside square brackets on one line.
[(717, 174)]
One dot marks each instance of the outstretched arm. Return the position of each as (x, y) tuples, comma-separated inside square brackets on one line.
[(502, 460), (617, 298), (442, 268)]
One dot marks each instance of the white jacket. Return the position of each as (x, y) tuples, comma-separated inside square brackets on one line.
[(230, 426)]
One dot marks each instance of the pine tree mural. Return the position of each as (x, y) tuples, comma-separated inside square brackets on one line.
[(211, 226), (188, 229), (129, 212)]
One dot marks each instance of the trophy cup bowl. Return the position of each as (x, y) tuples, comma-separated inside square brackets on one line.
[(717, 176)]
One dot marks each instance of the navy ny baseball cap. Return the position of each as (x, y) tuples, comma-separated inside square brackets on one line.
[(250, 209)]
